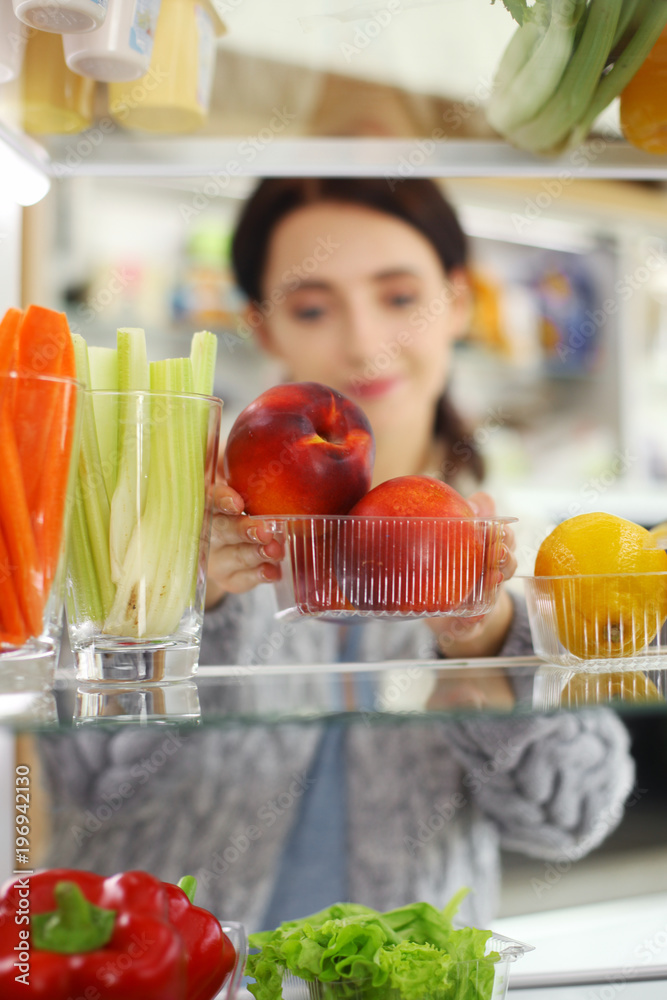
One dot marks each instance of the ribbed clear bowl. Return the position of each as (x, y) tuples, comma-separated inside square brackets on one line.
[(388, 567), (600, 622)]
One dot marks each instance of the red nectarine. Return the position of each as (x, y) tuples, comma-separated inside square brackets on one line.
[(415, 548), (300, 448)]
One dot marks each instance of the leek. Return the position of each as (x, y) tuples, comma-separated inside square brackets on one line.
[(649, 19), (566, 62), (571, 98), (522, 96)]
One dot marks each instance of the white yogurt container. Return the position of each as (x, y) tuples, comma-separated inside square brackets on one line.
[(121, 49), (13, 36), (60, 16)]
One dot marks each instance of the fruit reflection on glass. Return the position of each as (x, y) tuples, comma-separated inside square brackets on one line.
[(415, 547), (632, 686), (608, 585)]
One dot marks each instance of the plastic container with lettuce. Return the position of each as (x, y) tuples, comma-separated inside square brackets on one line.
[(351, 952)]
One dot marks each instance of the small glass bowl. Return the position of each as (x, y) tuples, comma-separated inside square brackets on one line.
[(599, 622)]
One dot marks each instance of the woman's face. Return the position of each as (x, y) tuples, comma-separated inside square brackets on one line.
[(359, 301)]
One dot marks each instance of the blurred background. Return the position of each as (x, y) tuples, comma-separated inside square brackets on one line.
[(561, 376)]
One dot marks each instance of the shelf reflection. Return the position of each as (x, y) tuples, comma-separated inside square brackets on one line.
[(167, 703), (404, 690), (559, 688)]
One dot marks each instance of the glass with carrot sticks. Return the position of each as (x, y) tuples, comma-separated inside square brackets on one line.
[(39, 441)]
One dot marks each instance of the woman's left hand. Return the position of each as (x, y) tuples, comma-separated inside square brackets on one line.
[(481, 635)]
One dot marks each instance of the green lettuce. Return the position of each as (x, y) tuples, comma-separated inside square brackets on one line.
[(355, 953)]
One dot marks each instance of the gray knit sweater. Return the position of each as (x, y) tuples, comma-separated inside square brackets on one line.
[(429, 803)]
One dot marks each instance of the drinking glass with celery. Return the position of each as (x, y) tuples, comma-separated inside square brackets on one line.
[(141, 521)]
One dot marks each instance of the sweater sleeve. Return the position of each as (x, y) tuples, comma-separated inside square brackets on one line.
[(553, 785), (518, 641), (222, 630)]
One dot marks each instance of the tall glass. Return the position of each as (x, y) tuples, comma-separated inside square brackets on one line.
[(39, 441), (141, 529)]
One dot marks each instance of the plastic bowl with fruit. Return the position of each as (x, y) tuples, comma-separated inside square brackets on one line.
[(598, 599), (388, 566), (301, 456)]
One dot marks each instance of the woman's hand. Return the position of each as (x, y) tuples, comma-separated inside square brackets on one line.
[(242, 555), (481, 635)]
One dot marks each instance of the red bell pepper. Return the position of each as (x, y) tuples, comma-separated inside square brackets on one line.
[(72, 935), (210, 953)]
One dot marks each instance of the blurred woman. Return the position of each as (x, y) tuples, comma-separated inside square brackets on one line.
[(361, 285)]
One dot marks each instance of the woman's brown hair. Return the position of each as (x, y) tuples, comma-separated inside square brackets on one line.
[(417, 201)]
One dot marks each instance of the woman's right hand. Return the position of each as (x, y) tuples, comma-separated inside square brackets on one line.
[(242, 555)]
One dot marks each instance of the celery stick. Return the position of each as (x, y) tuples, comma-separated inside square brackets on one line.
[(133, 444), (650, 17), (84, 601), (552, 126), (538, 79), (155, 585), (186, 475), (93, 495), (103, 362), (203, 351), (154, 589)]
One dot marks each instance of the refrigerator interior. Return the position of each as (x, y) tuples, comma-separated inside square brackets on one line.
[(567, 393)]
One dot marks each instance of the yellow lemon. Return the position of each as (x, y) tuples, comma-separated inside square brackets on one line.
[(599, 689), (610, 591)]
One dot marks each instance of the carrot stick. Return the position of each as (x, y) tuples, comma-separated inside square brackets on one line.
[(17, 528), (54, 483), (44, 338), (45, 343), (9, 339), (12, 626), (44, 418)]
